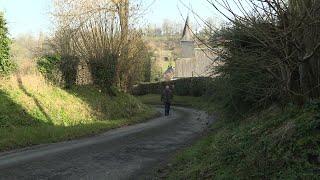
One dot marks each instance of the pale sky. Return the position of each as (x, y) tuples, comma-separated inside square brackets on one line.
[(32, 16)]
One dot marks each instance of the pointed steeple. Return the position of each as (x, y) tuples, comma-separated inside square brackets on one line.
[(187, 32)]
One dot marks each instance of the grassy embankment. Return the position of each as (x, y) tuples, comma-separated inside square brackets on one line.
[(33, 112), (273, 144)]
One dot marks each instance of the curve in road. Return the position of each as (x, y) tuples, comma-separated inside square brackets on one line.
[(125, 153)]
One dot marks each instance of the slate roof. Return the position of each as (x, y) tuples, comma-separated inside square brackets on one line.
[(187, 34)]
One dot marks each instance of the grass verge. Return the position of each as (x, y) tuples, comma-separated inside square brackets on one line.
[(33, 112), (273, 144)]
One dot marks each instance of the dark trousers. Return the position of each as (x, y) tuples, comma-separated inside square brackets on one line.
[(167, 108)]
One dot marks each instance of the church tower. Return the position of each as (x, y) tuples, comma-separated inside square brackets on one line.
[(194, 60), (187, 42)]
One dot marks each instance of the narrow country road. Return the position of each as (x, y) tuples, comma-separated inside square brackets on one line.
[(126, 153)]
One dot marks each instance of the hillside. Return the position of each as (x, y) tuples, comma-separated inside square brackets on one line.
[(34, 112), (273, 144)]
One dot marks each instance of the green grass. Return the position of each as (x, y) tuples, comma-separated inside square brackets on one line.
[(33, 112), (273, 144), (200, 103)]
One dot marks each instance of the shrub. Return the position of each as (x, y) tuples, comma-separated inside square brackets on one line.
[(68, 67), (197, 86), (103, 71), (48, 66), (58, 69), (245, 82), (182, 87)]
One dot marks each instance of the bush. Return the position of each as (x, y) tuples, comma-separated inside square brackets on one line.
[(68, 71), (198, 86), (59, 70), (182, 87), (244, 81), (68, 67), (48, 66), (103, 71), (147, 88)]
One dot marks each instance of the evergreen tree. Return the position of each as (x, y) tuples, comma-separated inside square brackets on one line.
[(5, 64)]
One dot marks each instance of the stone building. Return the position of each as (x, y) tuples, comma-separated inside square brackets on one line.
[(194, 61)]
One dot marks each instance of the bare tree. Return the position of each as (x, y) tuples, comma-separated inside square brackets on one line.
[(103, 34)]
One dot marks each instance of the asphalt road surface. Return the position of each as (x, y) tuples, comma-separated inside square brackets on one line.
[(126, 153)]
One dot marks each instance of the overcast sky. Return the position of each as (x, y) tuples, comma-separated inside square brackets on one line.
[(32, 16)]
